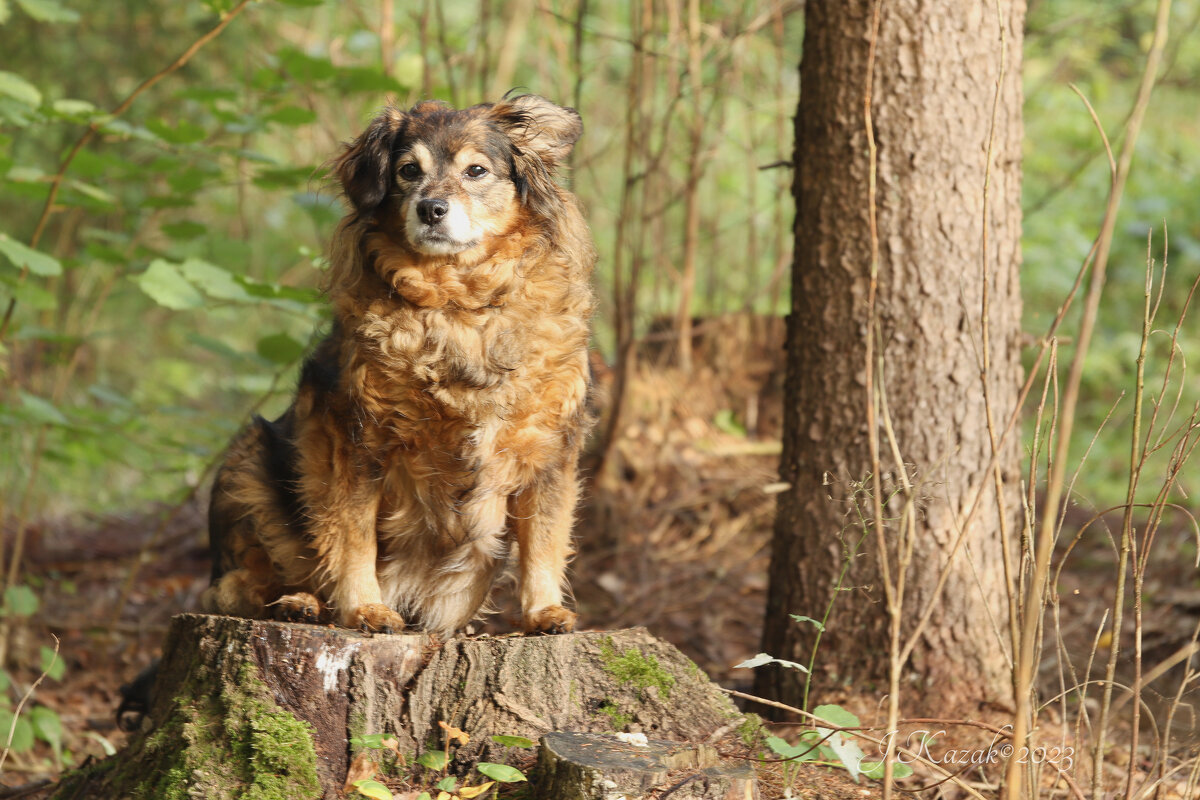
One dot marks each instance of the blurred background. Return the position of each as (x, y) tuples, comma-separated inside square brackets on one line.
[(173, 292)]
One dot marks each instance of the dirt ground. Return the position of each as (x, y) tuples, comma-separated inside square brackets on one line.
[(674, 535)]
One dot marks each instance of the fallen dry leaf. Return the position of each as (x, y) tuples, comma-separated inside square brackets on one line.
[(361, 769)]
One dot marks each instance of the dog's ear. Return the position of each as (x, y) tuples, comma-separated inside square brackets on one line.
[(365, 169), (538, 127)]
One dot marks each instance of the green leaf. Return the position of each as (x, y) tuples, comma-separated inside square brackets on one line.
[(372, 741), (281, 349), (292, 115), (801, 751), (285, 177), (500, 772), (424, 796), (763, 658), (27, 294), (22, 256), (93, 192), (22, 739), (185, 132), (814, 622), (217, 283), (5, 11), (183, 230), (105, 744), (19, 89), (435, 760), (366, 79), (165, 285), (836, 716), (48, 11), (5, 681), (305, 68), (52, 663), (73, 108), (20, 601), (847, 751), (41, 411), (514, 741), (47, 726), (874, 770), (370, 788), (447, 783), (302, 3)]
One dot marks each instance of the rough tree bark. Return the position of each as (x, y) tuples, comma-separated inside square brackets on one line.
[(935, 77), (267, 710)]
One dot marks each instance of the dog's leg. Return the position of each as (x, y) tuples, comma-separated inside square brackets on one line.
[(342, 503), (544, 515)]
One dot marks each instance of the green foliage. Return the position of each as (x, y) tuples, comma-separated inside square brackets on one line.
[(830, 747), (435, 760), (1066, 181), (173, 285)]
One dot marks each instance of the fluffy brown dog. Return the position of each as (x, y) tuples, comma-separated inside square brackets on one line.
[(437, 428)]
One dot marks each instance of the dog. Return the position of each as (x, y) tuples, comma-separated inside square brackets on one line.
[(436, 430)]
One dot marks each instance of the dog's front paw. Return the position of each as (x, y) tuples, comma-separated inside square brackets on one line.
[(551, 619), (298, 607), (374, 617)]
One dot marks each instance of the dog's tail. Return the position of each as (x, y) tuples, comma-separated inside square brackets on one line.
[(137, 697)]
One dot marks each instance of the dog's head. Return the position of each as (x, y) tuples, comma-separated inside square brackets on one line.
[(450, 179)]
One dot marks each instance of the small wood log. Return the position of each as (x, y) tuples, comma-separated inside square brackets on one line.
[(262, 709), (589, 766)]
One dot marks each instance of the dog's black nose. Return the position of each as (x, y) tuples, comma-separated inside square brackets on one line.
[(431, 211)]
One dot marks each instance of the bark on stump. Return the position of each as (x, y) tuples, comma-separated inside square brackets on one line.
[(253, 708)]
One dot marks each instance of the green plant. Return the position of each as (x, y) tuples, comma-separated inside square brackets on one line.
[(437, 762)]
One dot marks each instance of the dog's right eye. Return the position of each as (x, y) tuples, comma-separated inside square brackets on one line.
[(410, 171)]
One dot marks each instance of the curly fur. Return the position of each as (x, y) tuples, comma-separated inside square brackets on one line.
[(436, 430)]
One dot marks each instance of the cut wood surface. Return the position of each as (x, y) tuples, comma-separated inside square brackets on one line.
[(267, 709)]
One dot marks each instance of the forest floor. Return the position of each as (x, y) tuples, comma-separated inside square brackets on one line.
[(675, 538)]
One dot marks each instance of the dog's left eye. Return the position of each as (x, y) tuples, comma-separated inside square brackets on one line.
[(476, 171)]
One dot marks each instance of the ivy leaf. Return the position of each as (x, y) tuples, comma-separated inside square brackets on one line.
[(447, 783), (372, 788), (435, 760), (500, 772), (22, 256), (165, 285), (19, 89), (48, 11)]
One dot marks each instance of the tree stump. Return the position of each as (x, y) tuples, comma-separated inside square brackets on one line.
[(262, 709)]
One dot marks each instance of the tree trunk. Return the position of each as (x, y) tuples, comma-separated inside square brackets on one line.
[(252, 708), (935, 78)]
